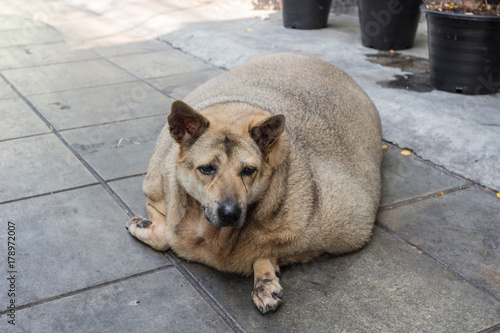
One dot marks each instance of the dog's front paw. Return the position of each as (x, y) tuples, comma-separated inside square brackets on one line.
[(138, 222), (267, 294)]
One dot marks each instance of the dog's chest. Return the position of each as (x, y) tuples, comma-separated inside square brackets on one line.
[(198, 240)]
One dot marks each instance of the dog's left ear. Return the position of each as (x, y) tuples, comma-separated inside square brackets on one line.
[(267, 131), (185, 124)]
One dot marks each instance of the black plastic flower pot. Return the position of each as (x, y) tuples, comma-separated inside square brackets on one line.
[(305, 14), (464, 52), (388, 24)]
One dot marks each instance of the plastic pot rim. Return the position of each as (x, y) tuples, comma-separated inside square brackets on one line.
[(460, 16)]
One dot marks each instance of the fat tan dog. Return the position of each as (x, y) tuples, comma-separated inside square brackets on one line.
[(231, 186)]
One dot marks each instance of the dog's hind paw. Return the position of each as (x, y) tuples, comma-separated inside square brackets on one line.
[(267, 294)]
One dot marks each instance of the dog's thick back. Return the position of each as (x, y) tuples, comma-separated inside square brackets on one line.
[(330, 118)]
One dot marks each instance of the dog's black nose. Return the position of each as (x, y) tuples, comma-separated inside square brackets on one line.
[(229, 213)]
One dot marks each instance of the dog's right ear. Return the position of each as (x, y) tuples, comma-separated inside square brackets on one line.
[(185, 124)]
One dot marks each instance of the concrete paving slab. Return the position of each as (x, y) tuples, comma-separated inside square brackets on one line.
[(103, 104), (61, 77), (406, 177), (9, 9), (6, 91), (119, 149), (18, 120), (159, 302), (70, 241), (179, 86), (386, 287), (126, 44), (131, 14), (154, 18), (96, 28), (130, 190), (12, 19), (37, 165), (30, 33), (72, 23), (459, 228), (461, 146), (42, 54), (98, 32), (161, 63)]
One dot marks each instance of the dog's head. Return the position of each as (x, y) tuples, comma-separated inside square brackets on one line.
[(225, 162)]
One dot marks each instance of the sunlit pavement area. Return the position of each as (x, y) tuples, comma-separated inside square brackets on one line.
[(85, 87)]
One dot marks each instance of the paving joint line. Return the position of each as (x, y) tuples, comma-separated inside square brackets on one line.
[(136, 76), (49, 193), (86, 289), (191, 55), (48, 64), (129, 211), (437, 166), (132, 74), (425, 197), (112, 122), (25, 137), (126, 177), (80, 88), (492, 329), (207, 296), (438, 261), (27, 45)]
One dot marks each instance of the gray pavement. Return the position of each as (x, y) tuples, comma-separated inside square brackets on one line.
[(85, 87)]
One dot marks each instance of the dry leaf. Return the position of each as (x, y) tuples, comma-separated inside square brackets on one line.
[(248, 29), (441, 193), (498, 195), (124, 139), (406, 152)]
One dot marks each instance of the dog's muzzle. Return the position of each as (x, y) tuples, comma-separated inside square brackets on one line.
[(226, 214)]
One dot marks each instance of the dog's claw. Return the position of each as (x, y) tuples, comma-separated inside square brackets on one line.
[(140, 222), (135, 219), (275, 295), (144, 223)]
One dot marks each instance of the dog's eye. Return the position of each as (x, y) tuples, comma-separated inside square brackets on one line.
[(248, 171), (207, 169)]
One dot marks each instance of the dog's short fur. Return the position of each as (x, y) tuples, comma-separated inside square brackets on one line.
[(231, 186)]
